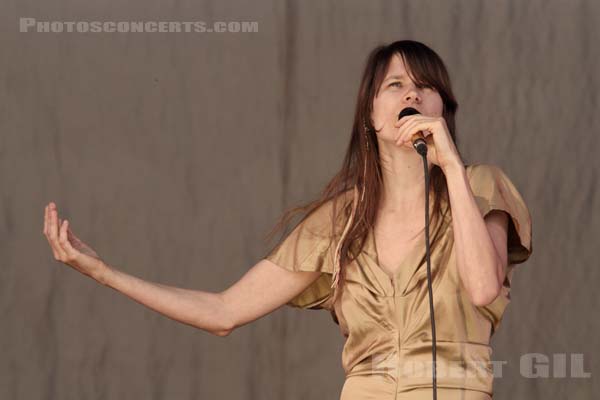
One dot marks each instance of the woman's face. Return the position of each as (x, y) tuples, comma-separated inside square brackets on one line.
[(398, 91)]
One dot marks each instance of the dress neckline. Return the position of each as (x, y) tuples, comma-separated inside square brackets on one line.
[(403, 266)]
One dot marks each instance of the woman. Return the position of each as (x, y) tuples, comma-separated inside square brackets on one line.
[(359, 250)]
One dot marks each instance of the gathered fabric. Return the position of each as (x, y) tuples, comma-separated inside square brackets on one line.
[(384, 318)]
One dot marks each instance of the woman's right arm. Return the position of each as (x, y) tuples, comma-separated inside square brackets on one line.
[(261, 290)]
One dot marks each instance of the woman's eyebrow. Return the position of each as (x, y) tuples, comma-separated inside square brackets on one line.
[(393, 77)]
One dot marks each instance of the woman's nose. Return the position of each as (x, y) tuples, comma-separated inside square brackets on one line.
[(412, 95)]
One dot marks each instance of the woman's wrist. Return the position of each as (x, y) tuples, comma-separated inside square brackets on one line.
[(103, 275)]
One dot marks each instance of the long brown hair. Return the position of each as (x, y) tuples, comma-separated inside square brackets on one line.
[(360, 175)]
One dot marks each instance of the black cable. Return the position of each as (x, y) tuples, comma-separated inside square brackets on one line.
[(420, 145), (421, 148)]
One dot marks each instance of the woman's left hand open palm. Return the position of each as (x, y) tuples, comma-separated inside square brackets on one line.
[(68, 248)]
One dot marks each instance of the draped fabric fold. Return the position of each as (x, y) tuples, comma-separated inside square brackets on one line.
[(385, 319)]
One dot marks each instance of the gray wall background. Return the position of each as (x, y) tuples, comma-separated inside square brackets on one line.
[(172, 154)]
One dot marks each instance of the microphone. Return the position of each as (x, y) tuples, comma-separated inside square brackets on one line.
[(418, 140)]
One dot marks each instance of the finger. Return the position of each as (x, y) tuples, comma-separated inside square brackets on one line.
[(400, 137), (59, 247), (401, 121), (399, 141), (59, 227), (405, 133), (64, 242), (406, 118), (399, 134), (61, 232), (60, 238), (52, 222), (411, 130), (54, 235), (48, 229), (53, 248), (399, 124)]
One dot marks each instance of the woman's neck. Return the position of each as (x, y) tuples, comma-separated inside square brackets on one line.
[(403, 180)]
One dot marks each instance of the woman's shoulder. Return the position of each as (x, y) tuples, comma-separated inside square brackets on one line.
[(483, 169), (321, 220), (485, 175)]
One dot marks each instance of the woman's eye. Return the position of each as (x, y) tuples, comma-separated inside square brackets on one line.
[(399, 84)]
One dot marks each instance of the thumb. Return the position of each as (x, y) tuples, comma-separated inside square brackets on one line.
[(67, 245)]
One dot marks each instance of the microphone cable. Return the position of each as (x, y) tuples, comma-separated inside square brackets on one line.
[(421, 147)]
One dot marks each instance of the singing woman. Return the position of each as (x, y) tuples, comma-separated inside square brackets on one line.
[(359, 249)]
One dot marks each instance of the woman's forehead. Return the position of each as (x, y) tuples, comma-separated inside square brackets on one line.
[(396, 68)]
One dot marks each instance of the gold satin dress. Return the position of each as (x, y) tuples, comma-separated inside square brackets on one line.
[(385, 319)]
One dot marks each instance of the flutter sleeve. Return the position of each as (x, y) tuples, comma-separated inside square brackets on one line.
[(309, 247), (493, 190)]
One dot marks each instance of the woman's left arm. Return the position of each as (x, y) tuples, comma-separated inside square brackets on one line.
[(479, 244)]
